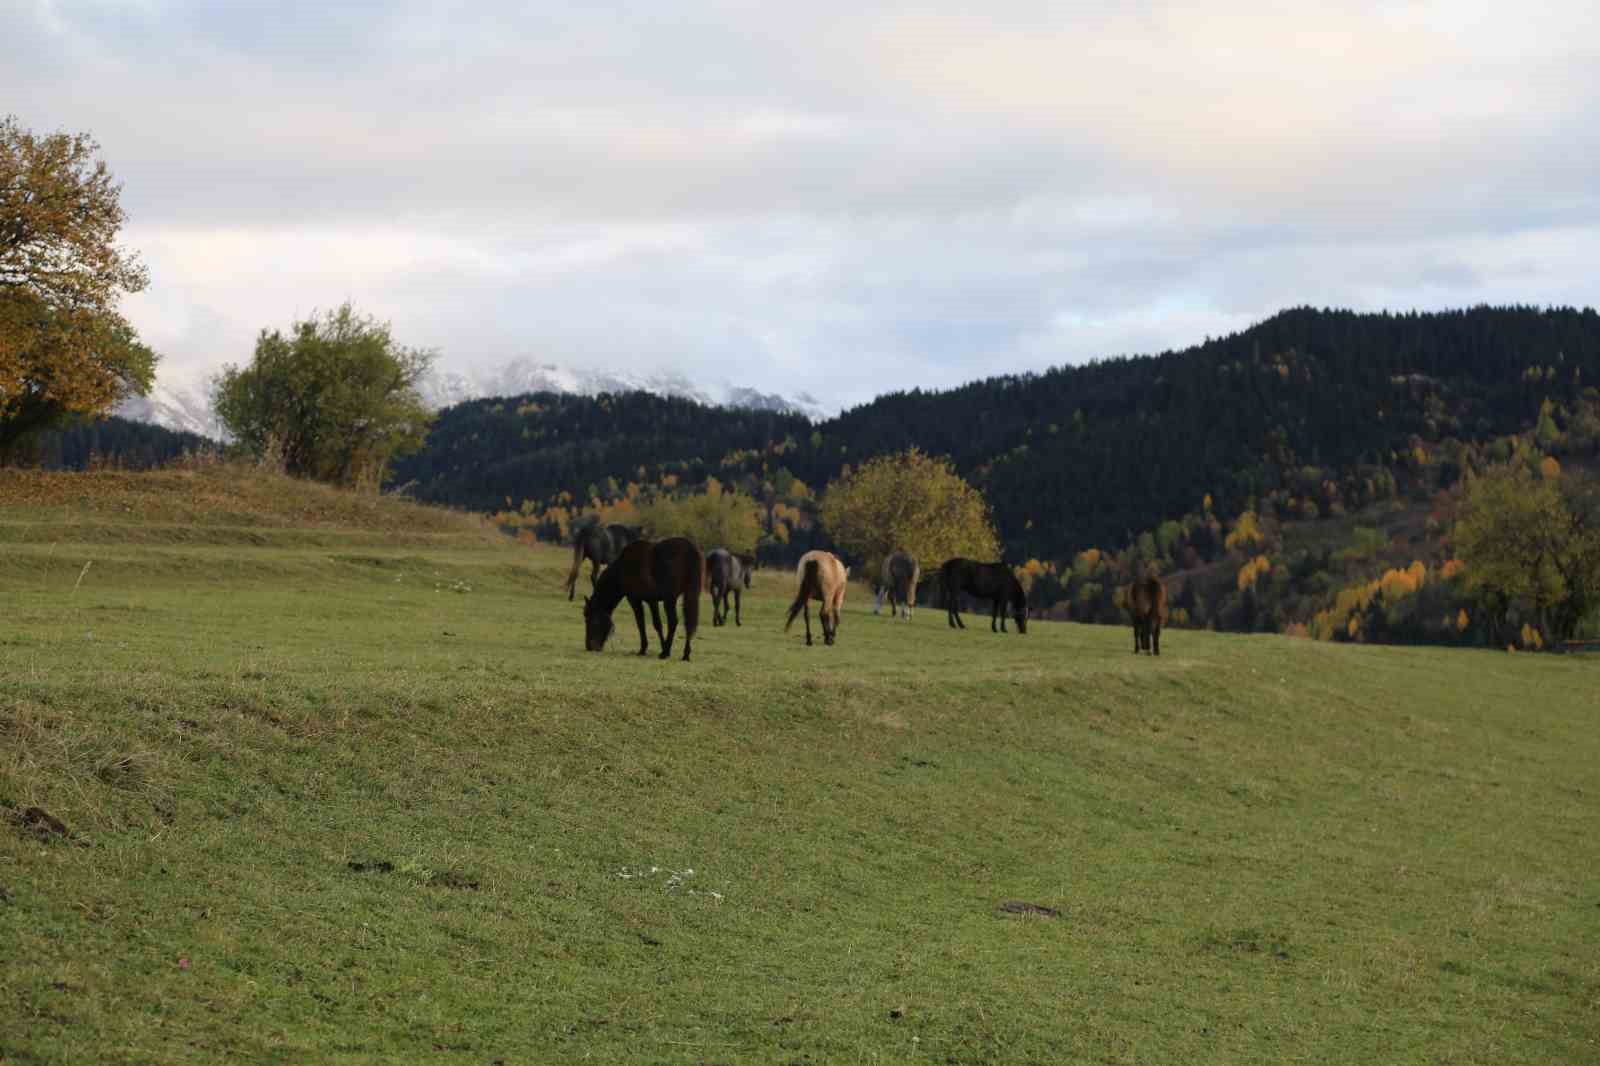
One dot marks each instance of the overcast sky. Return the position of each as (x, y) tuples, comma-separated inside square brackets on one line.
[(839, 197)]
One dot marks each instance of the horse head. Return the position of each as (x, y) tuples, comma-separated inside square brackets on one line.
[(597, 626), (1019, 605)]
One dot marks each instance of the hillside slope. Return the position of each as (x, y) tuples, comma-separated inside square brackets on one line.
[(378, 805), (1081, 456)]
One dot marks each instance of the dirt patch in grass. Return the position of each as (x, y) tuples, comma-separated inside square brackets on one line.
[(42, 826)]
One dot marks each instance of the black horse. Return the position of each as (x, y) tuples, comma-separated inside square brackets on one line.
[(600, 545), (653, 572), (985, 581), (728, 572)]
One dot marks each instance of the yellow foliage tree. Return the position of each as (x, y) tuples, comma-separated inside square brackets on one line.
[(1251, 571), (1246, 533), (64, 348), (725, 520), (912, 502)]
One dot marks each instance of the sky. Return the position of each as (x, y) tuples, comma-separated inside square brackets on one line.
[(840, 198)]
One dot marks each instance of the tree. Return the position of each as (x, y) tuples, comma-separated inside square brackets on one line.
[(711, 519), (912, 502), (335, 399), (1530, 544), (64, 349)]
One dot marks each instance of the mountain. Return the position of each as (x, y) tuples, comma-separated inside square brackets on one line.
[(521, 376), (184, 406), (1081, 456)]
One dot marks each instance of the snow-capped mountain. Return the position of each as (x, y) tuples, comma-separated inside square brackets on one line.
[(186, 408), (443, 388), (185, 405)]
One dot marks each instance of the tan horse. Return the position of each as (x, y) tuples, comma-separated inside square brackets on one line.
[(822, 578)]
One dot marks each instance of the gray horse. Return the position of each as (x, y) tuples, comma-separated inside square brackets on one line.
[(898, 580), (727, 572), (600, 545)]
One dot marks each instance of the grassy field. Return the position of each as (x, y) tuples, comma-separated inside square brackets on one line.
[(336, 782)]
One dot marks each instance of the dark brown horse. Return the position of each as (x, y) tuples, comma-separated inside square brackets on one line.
[(728, 572), (985, 581), (600, 545), (653, 572), (1147, 602)]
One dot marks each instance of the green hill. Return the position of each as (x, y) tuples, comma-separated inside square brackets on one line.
[(335, 782), (1080, 456)]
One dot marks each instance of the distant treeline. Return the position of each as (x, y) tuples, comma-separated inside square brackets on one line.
[(113, 441), (1078, 456)]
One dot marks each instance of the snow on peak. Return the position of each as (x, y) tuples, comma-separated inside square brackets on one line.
[(186, 405)]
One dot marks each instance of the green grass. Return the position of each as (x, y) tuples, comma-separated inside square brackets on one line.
[(1263, 850)]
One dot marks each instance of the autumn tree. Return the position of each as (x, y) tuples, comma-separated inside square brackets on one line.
[(64, 348), (333, 399), (1532, 545), (912, 502), (711, 519)]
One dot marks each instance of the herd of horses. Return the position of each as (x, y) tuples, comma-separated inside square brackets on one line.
[(624, 565)]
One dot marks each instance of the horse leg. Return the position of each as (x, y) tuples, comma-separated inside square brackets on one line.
[(594, 574), (672, 627), (638, 616), (877, 601), (655, 620), (806, 608), (828, 627), (1138, 637), (1155, 636), (691, 612), (737, 598), (994, 617)]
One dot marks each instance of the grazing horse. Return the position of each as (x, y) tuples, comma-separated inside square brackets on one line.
[(727, 571), (898, 580), (1147, 602), (653, 572), (822, 578), (600, 545), (985, 581)]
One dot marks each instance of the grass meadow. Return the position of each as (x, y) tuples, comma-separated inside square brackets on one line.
[(333, 780)]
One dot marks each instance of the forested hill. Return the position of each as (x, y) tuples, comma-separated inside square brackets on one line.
[(1080, 455), (114, 441)]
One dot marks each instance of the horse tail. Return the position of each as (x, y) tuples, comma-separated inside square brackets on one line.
[(577, 564), (810, 585)]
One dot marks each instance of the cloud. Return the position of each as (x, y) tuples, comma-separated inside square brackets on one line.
[(820, 196)]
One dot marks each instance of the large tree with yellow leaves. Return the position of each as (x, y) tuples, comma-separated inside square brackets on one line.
[(911, 502), (64, 348)]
